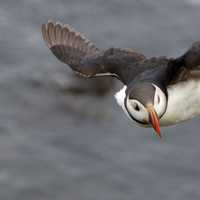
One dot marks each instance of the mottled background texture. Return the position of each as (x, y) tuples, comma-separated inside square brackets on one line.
[(61, 140)]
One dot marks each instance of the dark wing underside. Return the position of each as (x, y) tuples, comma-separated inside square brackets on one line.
[(187, 67), (83, 57), (67, 45)]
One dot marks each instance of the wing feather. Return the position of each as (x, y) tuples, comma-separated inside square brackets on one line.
[(187, 66), (74, 49)]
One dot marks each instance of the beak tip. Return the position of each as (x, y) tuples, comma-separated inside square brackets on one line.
[(154, 121), (158, 131), (159, 134)]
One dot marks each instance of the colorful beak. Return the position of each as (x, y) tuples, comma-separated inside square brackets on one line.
[(154, 120)]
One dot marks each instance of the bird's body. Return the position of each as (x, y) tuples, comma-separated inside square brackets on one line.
[(180, 98), (183, 102), (158, 91)]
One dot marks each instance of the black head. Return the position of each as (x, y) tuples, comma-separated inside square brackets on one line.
[(146, 103)]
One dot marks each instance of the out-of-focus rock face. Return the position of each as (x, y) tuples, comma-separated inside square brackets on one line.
[(60, 146), (77, 85)]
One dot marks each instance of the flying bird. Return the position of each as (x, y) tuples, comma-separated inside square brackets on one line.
[(158, 91)]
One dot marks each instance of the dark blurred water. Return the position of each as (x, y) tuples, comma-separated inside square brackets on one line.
[(55, 145)]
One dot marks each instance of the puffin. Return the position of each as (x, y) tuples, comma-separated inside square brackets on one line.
[(158, 91)]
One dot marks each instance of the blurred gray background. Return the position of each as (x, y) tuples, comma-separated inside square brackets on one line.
[(60, 142)]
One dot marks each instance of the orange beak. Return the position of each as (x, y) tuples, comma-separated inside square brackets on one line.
[(154, 119)]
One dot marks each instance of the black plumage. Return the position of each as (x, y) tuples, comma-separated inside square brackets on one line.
[(127, 65)]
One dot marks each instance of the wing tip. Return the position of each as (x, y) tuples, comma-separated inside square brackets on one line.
[(63, 34)]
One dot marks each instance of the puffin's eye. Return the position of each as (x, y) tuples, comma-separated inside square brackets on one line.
[(136, 107)]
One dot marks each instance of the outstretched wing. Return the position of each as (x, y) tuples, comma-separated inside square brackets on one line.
[(68, 45), (84, 57), (188, 65)]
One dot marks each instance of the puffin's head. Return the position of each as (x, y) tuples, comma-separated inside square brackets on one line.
[(146, 103)]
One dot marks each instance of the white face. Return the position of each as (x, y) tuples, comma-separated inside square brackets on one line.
[(139, 111)]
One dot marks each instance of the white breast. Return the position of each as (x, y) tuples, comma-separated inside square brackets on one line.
[(183, 102), (120, 96)]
